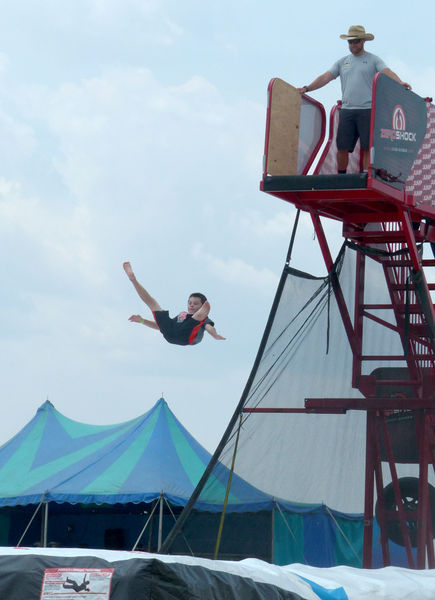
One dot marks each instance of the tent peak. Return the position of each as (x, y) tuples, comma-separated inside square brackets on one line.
[(46, 404)]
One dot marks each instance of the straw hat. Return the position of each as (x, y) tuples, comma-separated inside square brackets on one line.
[(357, 32)]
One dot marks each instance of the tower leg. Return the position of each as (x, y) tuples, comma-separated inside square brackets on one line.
[(369, 491)]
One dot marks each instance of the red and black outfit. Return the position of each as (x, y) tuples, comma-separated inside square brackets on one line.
[(182, 330)]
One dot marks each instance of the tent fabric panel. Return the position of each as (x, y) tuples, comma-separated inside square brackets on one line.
[(160, 466), (243, 534), (56, 437), (191, 454), (348, 547), (8, 449), (288, 538), (117, 498), (5, 524), (76, 429), (61, 468), (22, 500), (236, 508), (241, 493), (319, 540), (338, 540), (15, 465), (119, 469)]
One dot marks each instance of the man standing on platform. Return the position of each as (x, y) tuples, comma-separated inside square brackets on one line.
[(356, 72)]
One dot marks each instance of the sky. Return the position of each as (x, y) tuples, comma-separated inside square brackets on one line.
[(134, 130)]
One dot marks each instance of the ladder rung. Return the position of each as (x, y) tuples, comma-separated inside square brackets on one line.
[(413, 309), (379, 357), (397, 357), (407, 382), (386, 236), (404, 262), (410, 286)]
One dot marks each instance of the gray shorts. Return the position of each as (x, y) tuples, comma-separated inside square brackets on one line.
[(353, 124)]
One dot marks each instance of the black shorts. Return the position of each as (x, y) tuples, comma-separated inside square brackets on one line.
[(182, 333), (353, 124)]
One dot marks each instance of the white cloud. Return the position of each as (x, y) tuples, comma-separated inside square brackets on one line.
[(279, 224), (236, 271), (124, 132), (421, 78), (65, 241)]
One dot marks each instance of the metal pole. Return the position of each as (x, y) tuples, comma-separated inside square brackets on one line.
[(144, 527), (30, 522), (159, 538), (272, 537), (369, 491), (44, 525)]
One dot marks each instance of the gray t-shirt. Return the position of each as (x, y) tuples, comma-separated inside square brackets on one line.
[(356, 75)]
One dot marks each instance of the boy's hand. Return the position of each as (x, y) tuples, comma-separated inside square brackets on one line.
[(135, 319)]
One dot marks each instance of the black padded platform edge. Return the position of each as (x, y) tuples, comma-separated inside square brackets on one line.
[(281, 183)]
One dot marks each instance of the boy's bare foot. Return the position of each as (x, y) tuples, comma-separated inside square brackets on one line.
[(202, 312), (128, 270)]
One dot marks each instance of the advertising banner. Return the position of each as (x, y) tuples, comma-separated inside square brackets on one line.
[(399, 127)]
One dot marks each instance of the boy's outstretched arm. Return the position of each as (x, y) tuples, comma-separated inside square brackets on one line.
[(147, 322), (212, 331)]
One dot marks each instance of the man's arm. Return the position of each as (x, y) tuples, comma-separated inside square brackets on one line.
[(212, 331), (318, 83), (139, 319), (394, 76)]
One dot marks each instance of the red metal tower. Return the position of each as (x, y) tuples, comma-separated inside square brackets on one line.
[(388, 213)]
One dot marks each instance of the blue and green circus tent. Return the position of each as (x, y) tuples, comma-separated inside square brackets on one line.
[(56, 459), (100, 485)]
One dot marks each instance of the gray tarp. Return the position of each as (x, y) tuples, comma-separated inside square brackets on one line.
[(140, 576)]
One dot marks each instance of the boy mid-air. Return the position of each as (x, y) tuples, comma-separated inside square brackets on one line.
[(187, 328)]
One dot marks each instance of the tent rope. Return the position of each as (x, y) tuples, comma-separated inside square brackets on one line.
[(286, 523), (175, 519), (227, 492), (349, 543)]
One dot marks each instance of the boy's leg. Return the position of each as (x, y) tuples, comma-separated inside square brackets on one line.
[(152, 304), (202, 313)]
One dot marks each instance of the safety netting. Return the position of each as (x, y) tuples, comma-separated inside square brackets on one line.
[(313, 465)]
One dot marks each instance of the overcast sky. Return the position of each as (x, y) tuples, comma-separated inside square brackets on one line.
[(133, 130)]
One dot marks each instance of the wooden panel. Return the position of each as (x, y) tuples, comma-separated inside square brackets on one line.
[(285, 109)]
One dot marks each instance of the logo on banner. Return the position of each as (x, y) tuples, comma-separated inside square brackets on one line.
[(399, 132), (399, 119)]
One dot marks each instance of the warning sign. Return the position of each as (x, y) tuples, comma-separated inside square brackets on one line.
[(72, 584)]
